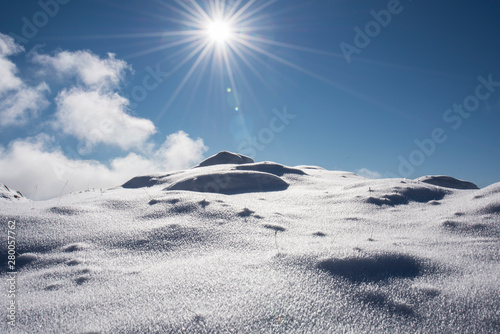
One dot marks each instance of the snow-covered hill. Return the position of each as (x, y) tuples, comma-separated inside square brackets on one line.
[(233, 246)]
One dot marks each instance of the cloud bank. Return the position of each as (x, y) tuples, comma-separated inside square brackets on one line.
[(90, 109), (38, 161)]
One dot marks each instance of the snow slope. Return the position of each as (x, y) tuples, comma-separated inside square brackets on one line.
[(259, 248)]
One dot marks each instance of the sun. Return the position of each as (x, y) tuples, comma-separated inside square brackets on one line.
[(228, 39), (219, 31)]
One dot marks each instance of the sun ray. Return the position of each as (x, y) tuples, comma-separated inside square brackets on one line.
[(256, 10), (245, 60), (242, 10), (322, 79), (233, 9), (297, 67), (190, 56), (231, 76), (216, 75), (186, 78), (192, 23), (196, 85), (163, 47), (133, 35), (247, 85), (292, 47), (279, 59), (190, 18), (176, 9), (202, 15)]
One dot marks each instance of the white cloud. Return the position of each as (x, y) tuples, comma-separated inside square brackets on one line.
[(17, 107), (8, 78), (97, 117), (93, 112), (18, 101), (94, 72), (365, 172), (180, 152), (8, 46), (31, 162)]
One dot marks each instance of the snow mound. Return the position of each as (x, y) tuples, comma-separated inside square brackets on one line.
[(148, 181), (407, 194), (10, 194), (487, 229), (163, 239), (231, 182), (271, 168), (63, 211), (490, 209), (447, 182), (374, 268), (492, 190), (224, 158)]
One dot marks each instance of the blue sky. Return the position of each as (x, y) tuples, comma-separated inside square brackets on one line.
[(94, 92)]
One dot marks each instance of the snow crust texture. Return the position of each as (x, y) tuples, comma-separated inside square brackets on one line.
[(275, 249)]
